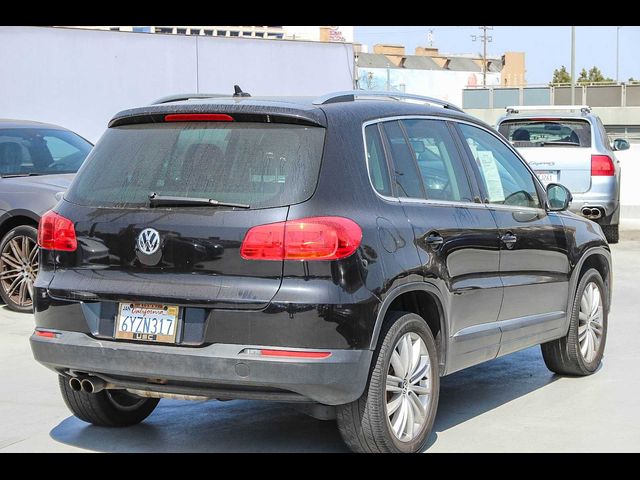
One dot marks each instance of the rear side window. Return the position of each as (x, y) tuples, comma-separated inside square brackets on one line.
[(548, 132), (262, 165), (376, 161), (440, 165), (407, 177)]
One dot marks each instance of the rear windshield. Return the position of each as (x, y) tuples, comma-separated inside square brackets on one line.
[(262, 165), (41, 151), (547, 132)]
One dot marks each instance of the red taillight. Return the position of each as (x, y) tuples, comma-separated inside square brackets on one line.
[(313, 238), (45, 334), (602, 166), (56, 232), (294, 353), (198, 117)]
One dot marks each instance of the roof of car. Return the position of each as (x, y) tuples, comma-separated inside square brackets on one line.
[(13, 123), (554, 114), (307, 109)]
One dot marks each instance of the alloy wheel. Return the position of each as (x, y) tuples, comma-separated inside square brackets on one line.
[(18, 269), (408, 387), (590, 322)]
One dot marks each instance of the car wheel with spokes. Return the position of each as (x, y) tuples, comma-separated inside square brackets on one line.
[(581, 350), (395, 413), (19, 267)]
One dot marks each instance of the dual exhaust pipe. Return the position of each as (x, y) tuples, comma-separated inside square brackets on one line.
[(592, 213), (88, 384)]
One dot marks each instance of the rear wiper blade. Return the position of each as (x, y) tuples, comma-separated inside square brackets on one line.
[(12, 175), (156, 200), (551, 144)]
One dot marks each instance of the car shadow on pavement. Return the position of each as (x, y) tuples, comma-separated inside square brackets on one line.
[(249, 426)]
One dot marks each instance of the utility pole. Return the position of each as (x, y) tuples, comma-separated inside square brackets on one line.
[(573, 65), (485, 39)]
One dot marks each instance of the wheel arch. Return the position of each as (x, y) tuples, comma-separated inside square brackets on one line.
[(15, 218), (420, 298), (598, 258)]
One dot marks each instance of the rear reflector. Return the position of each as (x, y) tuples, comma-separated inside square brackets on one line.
[(45, 334), (313, 238), (602, 166), (56, 232), (198, 117), (294, 354)]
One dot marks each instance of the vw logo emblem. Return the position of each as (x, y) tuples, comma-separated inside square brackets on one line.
[(148, 241)]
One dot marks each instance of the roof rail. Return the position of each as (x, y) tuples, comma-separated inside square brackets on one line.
[(351, 95), (188, 96), (520, 108)]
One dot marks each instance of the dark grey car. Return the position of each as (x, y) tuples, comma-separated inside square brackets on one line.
[(37, 162)]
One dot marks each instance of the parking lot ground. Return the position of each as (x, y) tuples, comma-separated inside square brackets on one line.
[(512, 404)]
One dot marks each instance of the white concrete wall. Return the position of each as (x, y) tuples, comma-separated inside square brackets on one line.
[(80, 78)]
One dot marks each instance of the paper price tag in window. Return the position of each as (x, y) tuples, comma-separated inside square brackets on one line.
[(491, 175)]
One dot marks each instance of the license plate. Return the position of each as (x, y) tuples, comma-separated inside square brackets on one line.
[(547, 176), (147, 322)]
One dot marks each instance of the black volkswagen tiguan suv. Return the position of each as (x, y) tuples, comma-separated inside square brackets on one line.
[(343, 252)]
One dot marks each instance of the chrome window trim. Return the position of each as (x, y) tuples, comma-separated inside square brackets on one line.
[(433, 202)]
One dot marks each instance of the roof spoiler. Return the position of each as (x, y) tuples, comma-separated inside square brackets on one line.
[(584, 109)]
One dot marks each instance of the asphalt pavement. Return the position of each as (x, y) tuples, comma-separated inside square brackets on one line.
[(512, 404)]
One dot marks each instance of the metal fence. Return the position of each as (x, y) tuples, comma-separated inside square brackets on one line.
[(594, 95)]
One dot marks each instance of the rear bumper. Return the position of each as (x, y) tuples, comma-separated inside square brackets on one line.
[(217, 370), (603, 194)]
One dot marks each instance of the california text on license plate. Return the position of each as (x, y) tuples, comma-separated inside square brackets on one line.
[(147, 322), (548, 176)]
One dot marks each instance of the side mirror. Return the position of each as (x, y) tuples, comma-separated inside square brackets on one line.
[(620, 144), (558, 196)]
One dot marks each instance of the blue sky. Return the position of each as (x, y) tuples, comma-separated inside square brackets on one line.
[(546, 48)]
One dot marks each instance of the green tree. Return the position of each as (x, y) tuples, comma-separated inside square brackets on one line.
[(594, 75), (560, 75), (631, 79)]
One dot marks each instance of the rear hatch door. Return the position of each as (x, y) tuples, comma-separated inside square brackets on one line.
[(559, 150), (130, 250)]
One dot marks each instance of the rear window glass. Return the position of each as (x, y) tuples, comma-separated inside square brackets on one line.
[(262, 165), (40, 151), (547, 132)]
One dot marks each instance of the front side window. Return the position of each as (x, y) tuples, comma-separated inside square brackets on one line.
[(37, 151), (506, 179), (260, 164), (440, 165)]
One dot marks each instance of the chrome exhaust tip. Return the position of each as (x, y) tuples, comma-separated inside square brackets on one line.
[(75, 384), (591, 213), (93, 385)]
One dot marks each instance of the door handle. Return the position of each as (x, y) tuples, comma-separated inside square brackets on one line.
[(509, 239), (434, 240)]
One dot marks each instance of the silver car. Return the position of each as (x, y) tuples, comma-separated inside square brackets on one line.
[(568, 144), (37, 163)]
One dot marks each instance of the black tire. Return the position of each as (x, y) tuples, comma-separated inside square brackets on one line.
[(611, 232), (563, 355), (108, 408), (363, 424), (17, 275)]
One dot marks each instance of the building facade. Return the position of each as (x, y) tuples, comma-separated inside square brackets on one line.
[(311, 33), (429, 72)]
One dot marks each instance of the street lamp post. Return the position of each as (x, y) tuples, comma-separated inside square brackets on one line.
[(573, 65), (618, 54)]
